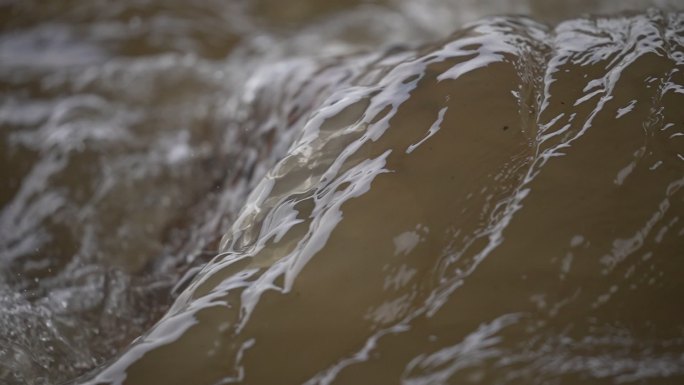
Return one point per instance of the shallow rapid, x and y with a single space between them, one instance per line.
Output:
498 206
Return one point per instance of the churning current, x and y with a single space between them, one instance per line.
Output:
385 192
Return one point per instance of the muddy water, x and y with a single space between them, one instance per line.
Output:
372 200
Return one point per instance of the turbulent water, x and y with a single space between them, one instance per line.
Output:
295 193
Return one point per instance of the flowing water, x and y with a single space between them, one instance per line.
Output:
265 192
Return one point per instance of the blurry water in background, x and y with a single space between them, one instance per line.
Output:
132 132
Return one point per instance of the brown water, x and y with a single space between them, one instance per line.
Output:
389 203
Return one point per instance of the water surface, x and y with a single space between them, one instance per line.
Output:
376 200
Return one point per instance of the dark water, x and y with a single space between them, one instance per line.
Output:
376 201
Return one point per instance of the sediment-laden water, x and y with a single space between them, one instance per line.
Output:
248 192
